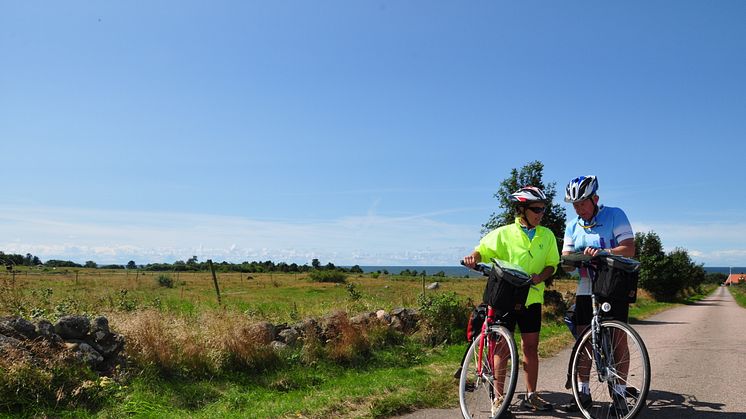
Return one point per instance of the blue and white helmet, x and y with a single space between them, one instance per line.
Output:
581 188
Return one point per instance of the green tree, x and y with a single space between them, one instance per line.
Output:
716 278
685 274
131 265
315 263
665 275
529 175
90 264
649 251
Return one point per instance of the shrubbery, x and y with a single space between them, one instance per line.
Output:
165 281
666 276
328 276
443 317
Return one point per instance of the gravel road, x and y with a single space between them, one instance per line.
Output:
698 362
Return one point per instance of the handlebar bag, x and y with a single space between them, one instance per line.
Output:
617 280
502 294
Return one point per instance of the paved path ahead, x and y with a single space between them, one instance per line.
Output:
698 362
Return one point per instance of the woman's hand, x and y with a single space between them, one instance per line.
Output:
472 260
536 279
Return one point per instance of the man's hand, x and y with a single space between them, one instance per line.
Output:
594 251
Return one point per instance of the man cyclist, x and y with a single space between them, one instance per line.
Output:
534 248
595 230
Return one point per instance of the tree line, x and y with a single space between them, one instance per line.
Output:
190 265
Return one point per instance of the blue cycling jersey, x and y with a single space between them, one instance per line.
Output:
606 230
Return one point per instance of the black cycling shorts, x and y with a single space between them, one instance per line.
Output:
527 318
584 310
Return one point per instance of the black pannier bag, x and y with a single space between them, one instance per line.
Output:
617 279
502 294
476 320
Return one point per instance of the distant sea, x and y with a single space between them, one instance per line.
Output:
460 271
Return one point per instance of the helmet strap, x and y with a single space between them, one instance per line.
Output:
524 217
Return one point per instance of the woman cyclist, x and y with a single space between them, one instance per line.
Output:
534 248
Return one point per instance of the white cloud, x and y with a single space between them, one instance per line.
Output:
116 237
714 244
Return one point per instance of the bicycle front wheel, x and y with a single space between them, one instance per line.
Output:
617 372
489 374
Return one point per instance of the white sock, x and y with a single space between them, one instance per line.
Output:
585 387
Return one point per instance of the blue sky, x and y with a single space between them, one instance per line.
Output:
360 132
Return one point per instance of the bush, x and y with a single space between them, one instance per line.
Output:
165 281
443 316
354 294
328 276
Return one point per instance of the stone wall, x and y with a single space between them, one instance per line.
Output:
89 341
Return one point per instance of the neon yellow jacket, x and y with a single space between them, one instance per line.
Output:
510 243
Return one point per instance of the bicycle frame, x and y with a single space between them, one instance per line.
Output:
484 339
603 358
488 321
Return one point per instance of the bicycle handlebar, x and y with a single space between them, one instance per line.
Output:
482 268
579 260
518 279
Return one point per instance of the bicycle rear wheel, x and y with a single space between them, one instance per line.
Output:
487 382
622 360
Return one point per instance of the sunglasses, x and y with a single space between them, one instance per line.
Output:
537 210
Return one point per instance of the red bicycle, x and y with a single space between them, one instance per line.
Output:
490 368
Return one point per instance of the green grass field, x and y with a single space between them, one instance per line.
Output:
392 379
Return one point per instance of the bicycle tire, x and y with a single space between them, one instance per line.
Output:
477 392
602 378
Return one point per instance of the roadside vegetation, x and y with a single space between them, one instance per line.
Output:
739 293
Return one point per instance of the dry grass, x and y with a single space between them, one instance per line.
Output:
211 343
348 344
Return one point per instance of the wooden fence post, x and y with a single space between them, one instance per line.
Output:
214 279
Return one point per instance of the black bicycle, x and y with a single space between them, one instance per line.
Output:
609 355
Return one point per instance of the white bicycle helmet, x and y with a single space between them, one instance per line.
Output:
528 194
581 188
